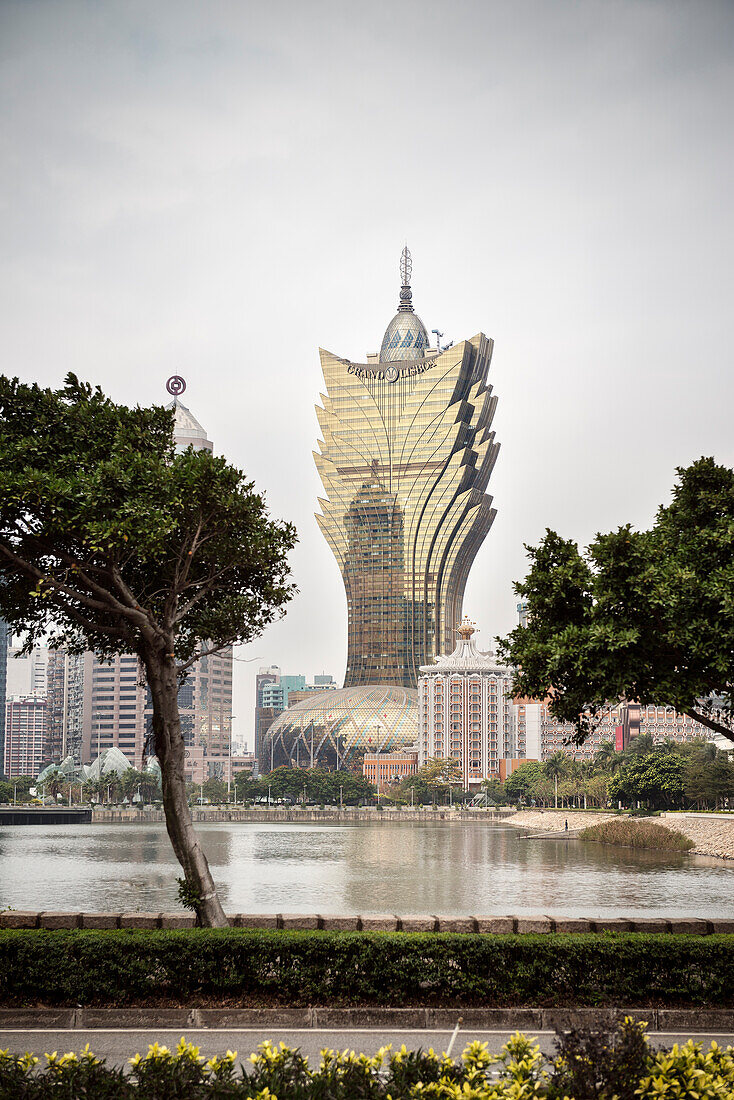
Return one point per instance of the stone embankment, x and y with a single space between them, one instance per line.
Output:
328 814
388 922
712 834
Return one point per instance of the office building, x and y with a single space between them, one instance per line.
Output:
275 692
187 431
25 735
405 458
386 769
466 710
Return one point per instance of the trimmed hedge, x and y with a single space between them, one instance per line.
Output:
239 966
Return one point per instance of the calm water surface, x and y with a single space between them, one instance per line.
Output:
469 868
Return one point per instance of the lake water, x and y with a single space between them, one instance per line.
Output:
458 869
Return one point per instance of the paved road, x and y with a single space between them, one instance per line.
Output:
117 1045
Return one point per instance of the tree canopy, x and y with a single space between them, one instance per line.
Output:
107 534
112 540
639 615
317 784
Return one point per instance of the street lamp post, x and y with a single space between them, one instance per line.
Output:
268 795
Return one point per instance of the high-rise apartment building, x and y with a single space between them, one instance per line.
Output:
65 705
25 735
114 707
466 710
4 638
26 672
405 459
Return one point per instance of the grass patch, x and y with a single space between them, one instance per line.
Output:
637 834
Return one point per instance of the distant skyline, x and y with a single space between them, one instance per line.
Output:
217 191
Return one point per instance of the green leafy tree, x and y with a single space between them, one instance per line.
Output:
110 540
318 785
495 792
144 783
708 779
54 782
597 790
215 790
657 779
556 768
542 791
17 788
518 784
247 788
285 782
640 615
414 789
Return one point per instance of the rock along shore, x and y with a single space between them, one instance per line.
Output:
712 835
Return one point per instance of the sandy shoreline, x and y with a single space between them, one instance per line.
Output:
712 836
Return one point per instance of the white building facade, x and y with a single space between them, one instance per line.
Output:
466 710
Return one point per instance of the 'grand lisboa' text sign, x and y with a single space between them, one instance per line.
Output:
391 373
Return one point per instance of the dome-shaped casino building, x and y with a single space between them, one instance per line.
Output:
334 729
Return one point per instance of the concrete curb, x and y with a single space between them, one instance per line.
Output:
389 922
527 1019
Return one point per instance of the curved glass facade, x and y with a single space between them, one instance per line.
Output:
405 458
335 729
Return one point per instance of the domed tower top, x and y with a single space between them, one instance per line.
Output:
406 336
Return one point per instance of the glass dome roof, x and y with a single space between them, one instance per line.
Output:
405 338
337 727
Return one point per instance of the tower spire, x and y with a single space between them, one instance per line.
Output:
406 294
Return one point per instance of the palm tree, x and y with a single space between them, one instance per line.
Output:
54 782
606 757
556 767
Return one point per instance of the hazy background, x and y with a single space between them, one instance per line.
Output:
216 189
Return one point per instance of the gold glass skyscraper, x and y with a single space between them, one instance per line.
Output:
405 460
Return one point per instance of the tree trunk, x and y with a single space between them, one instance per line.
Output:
169 749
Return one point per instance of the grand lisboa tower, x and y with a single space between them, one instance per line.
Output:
405 459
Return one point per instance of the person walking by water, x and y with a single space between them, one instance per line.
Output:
566 824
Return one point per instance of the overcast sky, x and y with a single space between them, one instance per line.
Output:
217 189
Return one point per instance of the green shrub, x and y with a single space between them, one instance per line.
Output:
601 1064
236 965
635 834
588 1066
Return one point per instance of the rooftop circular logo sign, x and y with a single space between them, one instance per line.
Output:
175 385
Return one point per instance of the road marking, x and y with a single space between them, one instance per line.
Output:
314 1031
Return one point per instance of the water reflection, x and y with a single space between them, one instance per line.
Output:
364 868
